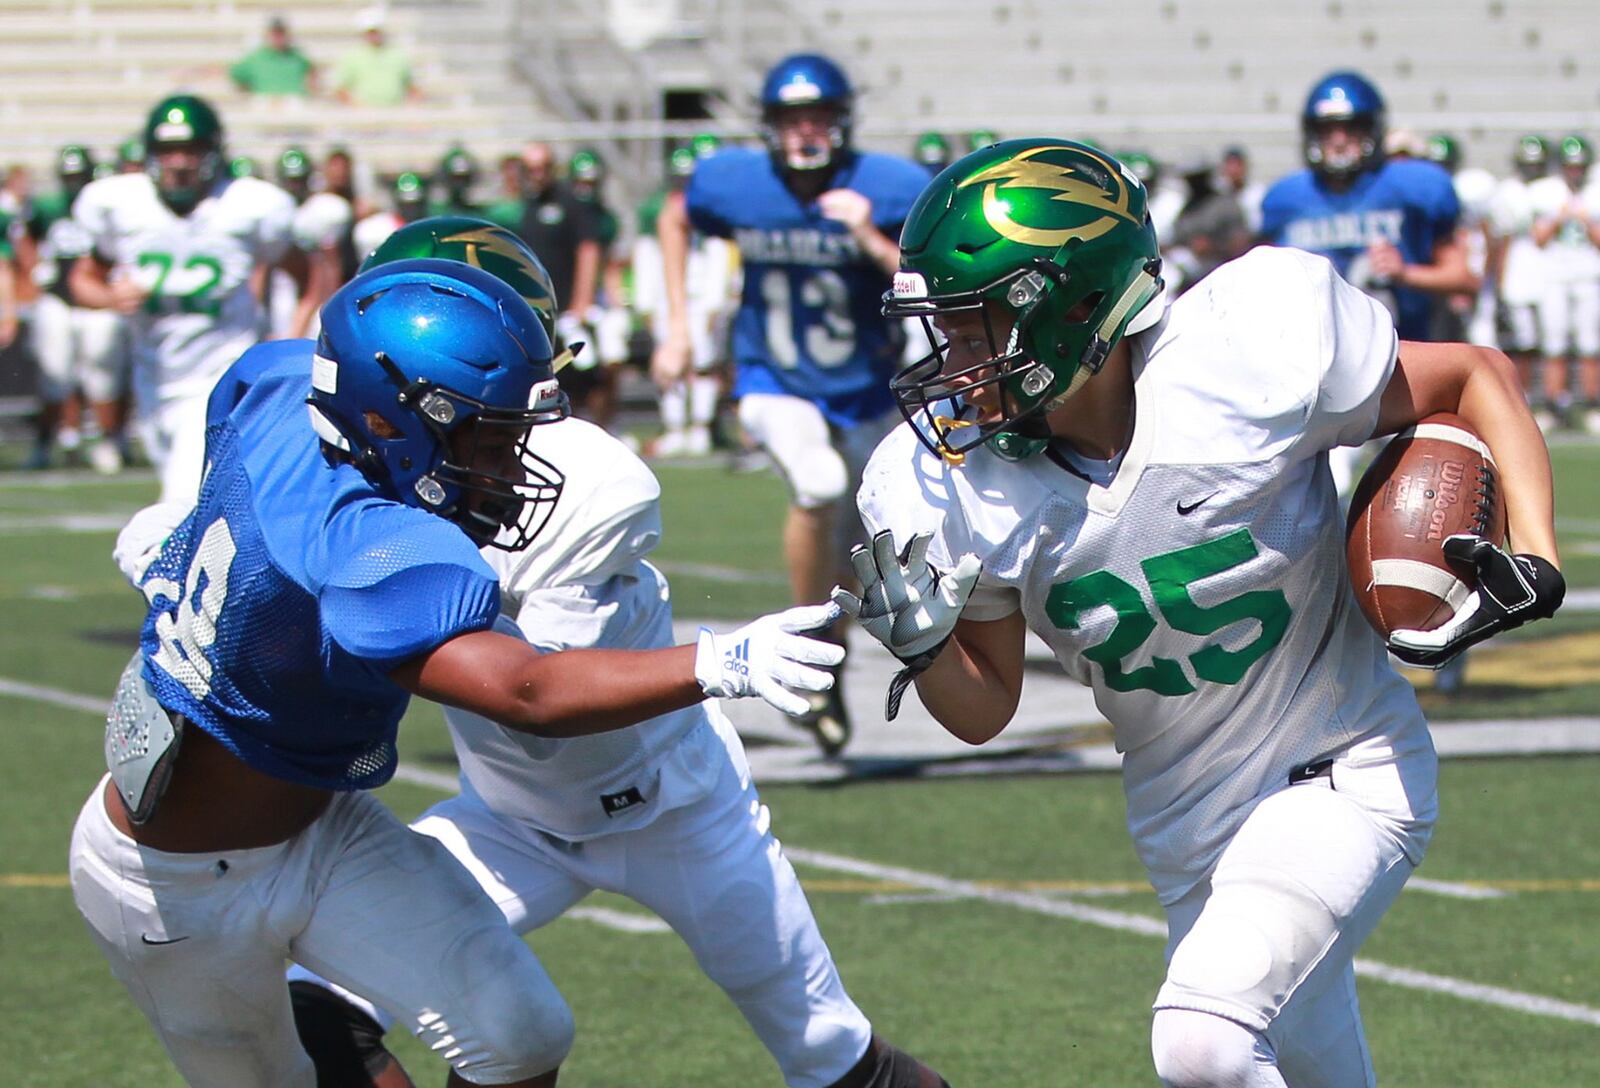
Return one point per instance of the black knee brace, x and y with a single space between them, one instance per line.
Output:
345 1044
886 1066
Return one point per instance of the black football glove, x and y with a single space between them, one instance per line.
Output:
1512 589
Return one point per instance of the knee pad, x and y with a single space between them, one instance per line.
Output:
1251 946
1198 1050
885 1065
508 1021
819 477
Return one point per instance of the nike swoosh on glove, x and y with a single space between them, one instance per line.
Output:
1512 589
906 603
769 656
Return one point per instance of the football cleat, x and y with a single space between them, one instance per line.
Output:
827 721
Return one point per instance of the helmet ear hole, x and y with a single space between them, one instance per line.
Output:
1084 308
379 426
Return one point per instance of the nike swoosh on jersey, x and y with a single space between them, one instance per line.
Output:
145 937
1184 509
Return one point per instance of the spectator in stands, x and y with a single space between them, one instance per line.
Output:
277 68
563 231
374 73
1235 170
1210 228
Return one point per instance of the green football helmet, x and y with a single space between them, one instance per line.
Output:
932 150
980 138
294 164
1058 236
130 154
586 168
458 170
184 120
705 144
243 166
1575 151
1445 150
680 164
1532 156
75 168
481 244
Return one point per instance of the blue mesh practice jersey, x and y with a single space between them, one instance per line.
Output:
809 322
1409 203
280 604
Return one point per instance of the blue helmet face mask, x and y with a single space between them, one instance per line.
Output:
428 376
1345 98
801 81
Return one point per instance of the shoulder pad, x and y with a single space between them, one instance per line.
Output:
608 517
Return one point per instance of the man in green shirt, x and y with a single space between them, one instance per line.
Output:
276 68
374 73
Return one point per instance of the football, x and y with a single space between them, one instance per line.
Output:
1432 480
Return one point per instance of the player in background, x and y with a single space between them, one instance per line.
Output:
1463 316
321 258
234 830
931 151
1516 265
1166 200
180 250
1388 226
816 224
1235 177
711 287
408 199
1148 492
1566 227
665 813
82 353
456 177
605 323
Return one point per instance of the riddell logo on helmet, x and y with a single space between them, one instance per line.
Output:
910 285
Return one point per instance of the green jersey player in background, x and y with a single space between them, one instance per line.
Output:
181 249
1148 491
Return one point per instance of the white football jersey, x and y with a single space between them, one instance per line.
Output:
322 221
201 314
585 583
1570 256
1511 215
1202 592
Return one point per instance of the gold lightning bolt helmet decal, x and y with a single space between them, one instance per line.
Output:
495 240
1023 172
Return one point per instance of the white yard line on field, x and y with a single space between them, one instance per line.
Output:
1533 1004
944 886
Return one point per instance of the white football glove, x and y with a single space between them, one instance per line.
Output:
769 656
907 604
141 539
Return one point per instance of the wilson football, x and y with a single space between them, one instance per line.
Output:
1432 480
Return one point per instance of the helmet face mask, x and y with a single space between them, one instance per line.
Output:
1054 236
428 376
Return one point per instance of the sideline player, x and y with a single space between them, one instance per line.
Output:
1517 265
179 249
711 283
816 224
1388 225
82 353
1148 492
329 572
1566 228
665 814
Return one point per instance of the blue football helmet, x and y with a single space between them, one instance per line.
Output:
807 79
428 375
1348 98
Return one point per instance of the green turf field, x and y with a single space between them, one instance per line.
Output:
953 907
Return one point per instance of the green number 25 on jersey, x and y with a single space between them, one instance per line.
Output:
1170 576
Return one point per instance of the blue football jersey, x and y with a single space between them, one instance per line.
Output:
280 604
1406 202
810 322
